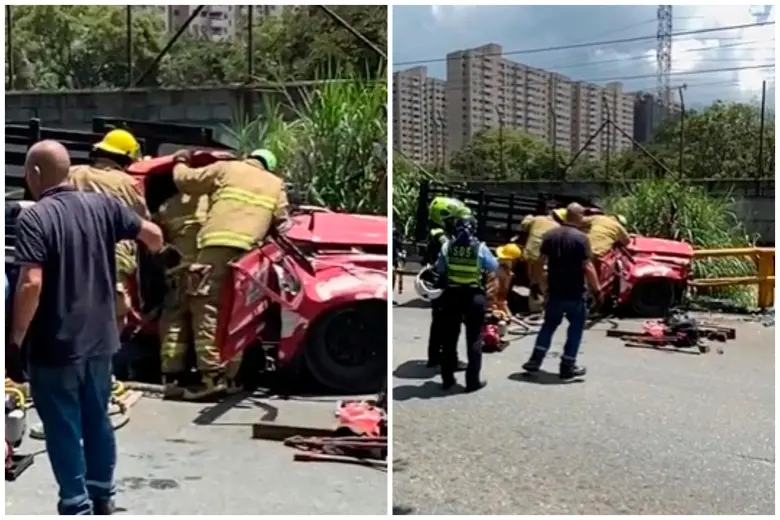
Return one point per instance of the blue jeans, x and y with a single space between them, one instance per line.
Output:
576 312
72 402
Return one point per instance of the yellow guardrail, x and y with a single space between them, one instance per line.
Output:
764 258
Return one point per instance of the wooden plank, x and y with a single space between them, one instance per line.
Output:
279 432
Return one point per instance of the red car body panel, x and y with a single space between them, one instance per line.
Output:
642 259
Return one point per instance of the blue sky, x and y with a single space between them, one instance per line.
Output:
430 32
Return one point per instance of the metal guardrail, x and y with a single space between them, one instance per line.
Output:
764 258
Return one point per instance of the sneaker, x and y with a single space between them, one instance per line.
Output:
461 366
571 371
103 507
533 365
447 382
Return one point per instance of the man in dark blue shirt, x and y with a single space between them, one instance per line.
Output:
567 253
64 311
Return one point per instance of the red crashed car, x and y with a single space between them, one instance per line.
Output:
314 296
647 277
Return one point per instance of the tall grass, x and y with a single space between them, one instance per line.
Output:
329 147
675 210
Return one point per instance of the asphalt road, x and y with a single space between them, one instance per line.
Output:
647 432
168 465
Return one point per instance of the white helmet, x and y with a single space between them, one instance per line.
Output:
424 288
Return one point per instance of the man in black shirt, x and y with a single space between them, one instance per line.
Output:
64 310
567 253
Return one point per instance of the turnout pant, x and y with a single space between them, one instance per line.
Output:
462 305
72 403
212 271
176 329
537 278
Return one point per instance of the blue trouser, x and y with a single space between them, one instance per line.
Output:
576 312
72 402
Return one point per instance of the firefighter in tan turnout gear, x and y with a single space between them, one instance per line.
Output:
110 157
244 201
181 218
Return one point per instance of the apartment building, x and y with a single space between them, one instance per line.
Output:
419 115
213 21
648 114
485 90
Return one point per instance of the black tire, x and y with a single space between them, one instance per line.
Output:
347 349
653 298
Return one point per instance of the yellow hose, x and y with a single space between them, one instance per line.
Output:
23 400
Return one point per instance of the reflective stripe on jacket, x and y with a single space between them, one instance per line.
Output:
245 200
463 265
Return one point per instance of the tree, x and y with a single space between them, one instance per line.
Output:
306 43
203 62
721 141
56 47
524 157
80 46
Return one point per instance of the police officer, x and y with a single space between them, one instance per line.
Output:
461 264
442 214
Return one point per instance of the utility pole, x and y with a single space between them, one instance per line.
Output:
761 132
250 62
9 45
501 140
554 139
129 43
680 89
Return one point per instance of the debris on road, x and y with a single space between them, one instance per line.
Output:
360 437
676 332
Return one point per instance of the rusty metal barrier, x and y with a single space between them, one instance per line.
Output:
764 258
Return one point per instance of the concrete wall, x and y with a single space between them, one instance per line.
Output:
201 106
755 201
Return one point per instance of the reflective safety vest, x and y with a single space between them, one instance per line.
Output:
463 265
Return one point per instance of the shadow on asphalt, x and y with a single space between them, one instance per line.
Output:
542 378
428 390
403 510
417 303
415 369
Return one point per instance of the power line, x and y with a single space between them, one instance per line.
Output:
449 86
686 73
588 44
644 56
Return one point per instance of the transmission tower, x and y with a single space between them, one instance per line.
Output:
664 56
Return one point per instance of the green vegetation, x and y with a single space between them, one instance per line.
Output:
76 47
675 210
328 150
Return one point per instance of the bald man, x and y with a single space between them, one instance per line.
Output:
64 312
566 252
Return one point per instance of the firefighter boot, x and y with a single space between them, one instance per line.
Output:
233 384
211 386
172 388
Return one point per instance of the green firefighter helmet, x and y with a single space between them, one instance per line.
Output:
444 209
